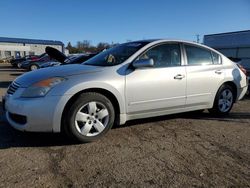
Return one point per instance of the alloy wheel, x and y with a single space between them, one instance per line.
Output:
226 100
33 67
91 119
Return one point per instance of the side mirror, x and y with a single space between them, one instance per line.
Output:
143 63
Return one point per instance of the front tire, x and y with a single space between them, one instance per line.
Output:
33 67
89 117
19 65
224 101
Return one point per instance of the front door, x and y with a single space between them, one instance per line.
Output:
158 88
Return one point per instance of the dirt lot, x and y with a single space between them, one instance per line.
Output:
184 150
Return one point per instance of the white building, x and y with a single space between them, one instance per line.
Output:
20 47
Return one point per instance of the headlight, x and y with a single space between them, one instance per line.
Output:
40 89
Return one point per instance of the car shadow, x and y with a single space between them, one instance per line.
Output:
5 84
7 67
247 97
9 137
13 70
231 117
16 74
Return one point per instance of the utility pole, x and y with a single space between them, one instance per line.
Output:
198 38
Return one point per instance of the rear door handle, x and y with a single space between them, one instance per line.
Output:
179 77
218 71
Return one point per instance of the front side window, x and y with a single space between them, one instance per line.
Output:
165 55
198 56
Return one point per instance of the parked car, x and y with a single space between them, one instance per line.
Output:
130 81
49 64
18 61
246 64
64 60
78 59
75 59
35 64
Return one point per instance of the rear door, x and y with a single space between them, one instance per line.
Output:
204 74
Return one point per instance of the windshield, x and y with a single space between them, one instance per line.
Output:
78 58
71 58
115 55
40 56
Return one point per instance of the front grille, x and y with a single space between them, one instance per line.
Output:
12 88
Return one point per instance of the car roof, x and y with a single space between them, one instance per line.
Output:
156 41
170 40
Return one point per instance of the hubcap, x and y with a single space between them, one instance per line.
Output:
33 67
91 119
225 100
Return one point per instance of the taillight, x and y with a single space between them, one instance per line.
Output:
242 69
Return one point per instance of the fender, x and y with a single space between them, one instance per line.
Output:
79 88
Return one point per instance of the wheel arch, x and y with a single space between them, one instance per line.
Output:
234 87
231 84
102 91
214 108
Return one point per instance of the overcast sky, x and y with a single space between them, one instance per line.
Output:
121 20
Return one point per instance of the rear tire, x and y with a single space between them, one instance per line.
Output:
89 118
224 100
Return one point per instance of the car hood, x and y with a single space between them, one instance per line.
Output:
55 54
49 64
30 78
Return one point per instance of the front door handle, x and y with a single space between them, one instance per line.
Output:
179 77
218 71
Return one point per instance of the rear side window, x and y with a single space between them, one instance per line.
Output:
198 56
216 58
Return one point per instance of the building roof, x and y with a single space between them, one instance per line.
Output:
30 41
228 40
233 32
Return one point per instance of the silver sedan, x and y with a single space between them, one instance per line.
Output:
129 81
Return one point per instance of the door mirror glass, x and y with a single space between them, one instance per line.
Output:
143 63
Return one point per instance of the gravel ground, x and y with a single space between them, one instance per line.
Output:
183 150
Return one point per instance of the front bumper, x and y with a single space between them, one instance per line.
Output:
34 114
